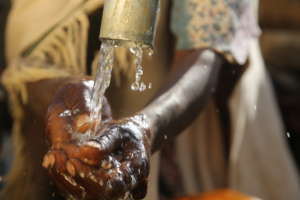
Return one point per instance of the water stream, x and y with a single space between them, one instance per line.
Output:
103 76
102 81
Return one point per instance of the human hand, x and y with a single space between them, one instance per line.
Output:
106 165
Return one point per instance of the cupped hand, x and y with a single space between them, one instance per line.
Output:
108 163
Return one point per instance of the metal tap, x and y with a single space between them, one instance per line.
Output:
129 21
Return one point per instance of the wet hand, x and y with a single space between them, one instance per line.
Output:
106 165
127 144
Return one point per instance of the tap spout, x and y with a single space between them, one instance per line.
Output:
130 21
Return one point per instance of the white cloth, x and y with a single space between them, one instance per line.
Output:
260 163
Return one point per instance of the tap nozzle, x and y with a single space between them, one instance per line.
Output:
130 21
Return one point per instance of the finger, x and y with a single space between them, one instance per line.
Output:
66 182
86 154
136 165
140 191
135 171
76 96
136 154
99 183
56 163
80 179
63 173
93 151
69 113
69 102
57 128
106 141
55 159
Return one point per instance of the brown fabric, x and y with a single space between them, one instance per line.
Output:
280 14
220 195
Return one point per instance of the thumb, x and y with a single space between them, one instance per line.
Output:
107 141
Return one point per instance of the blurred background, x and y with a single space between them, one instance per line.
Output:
280 43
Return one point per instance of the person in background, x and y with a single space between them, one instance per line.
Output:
217 97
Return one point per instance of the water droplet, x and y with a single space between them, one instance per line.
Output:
150 52
133 180
138 85
142 87
133 50
139 71
109 186
75 111
66 113
135 86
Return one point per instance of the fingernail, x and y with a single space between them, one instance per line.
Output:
49 161
81 174
83 123
45 163
70 168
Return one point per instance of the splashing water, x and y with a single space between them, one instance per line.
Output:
102 80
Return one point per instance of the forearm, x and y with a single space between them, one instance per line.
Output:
184 98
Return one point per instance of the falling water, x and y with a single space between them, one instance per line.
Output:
103 75
102 80
138 84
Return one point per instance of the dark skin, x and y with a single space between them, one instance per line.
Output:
95 168
134 138
76 165
126 143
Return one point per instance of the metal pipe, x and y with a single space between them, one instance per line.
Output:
130 21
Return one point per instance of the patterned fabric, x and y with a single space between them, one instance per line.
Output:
214 24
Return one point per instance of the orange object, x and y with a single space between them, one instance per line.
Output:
220 195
